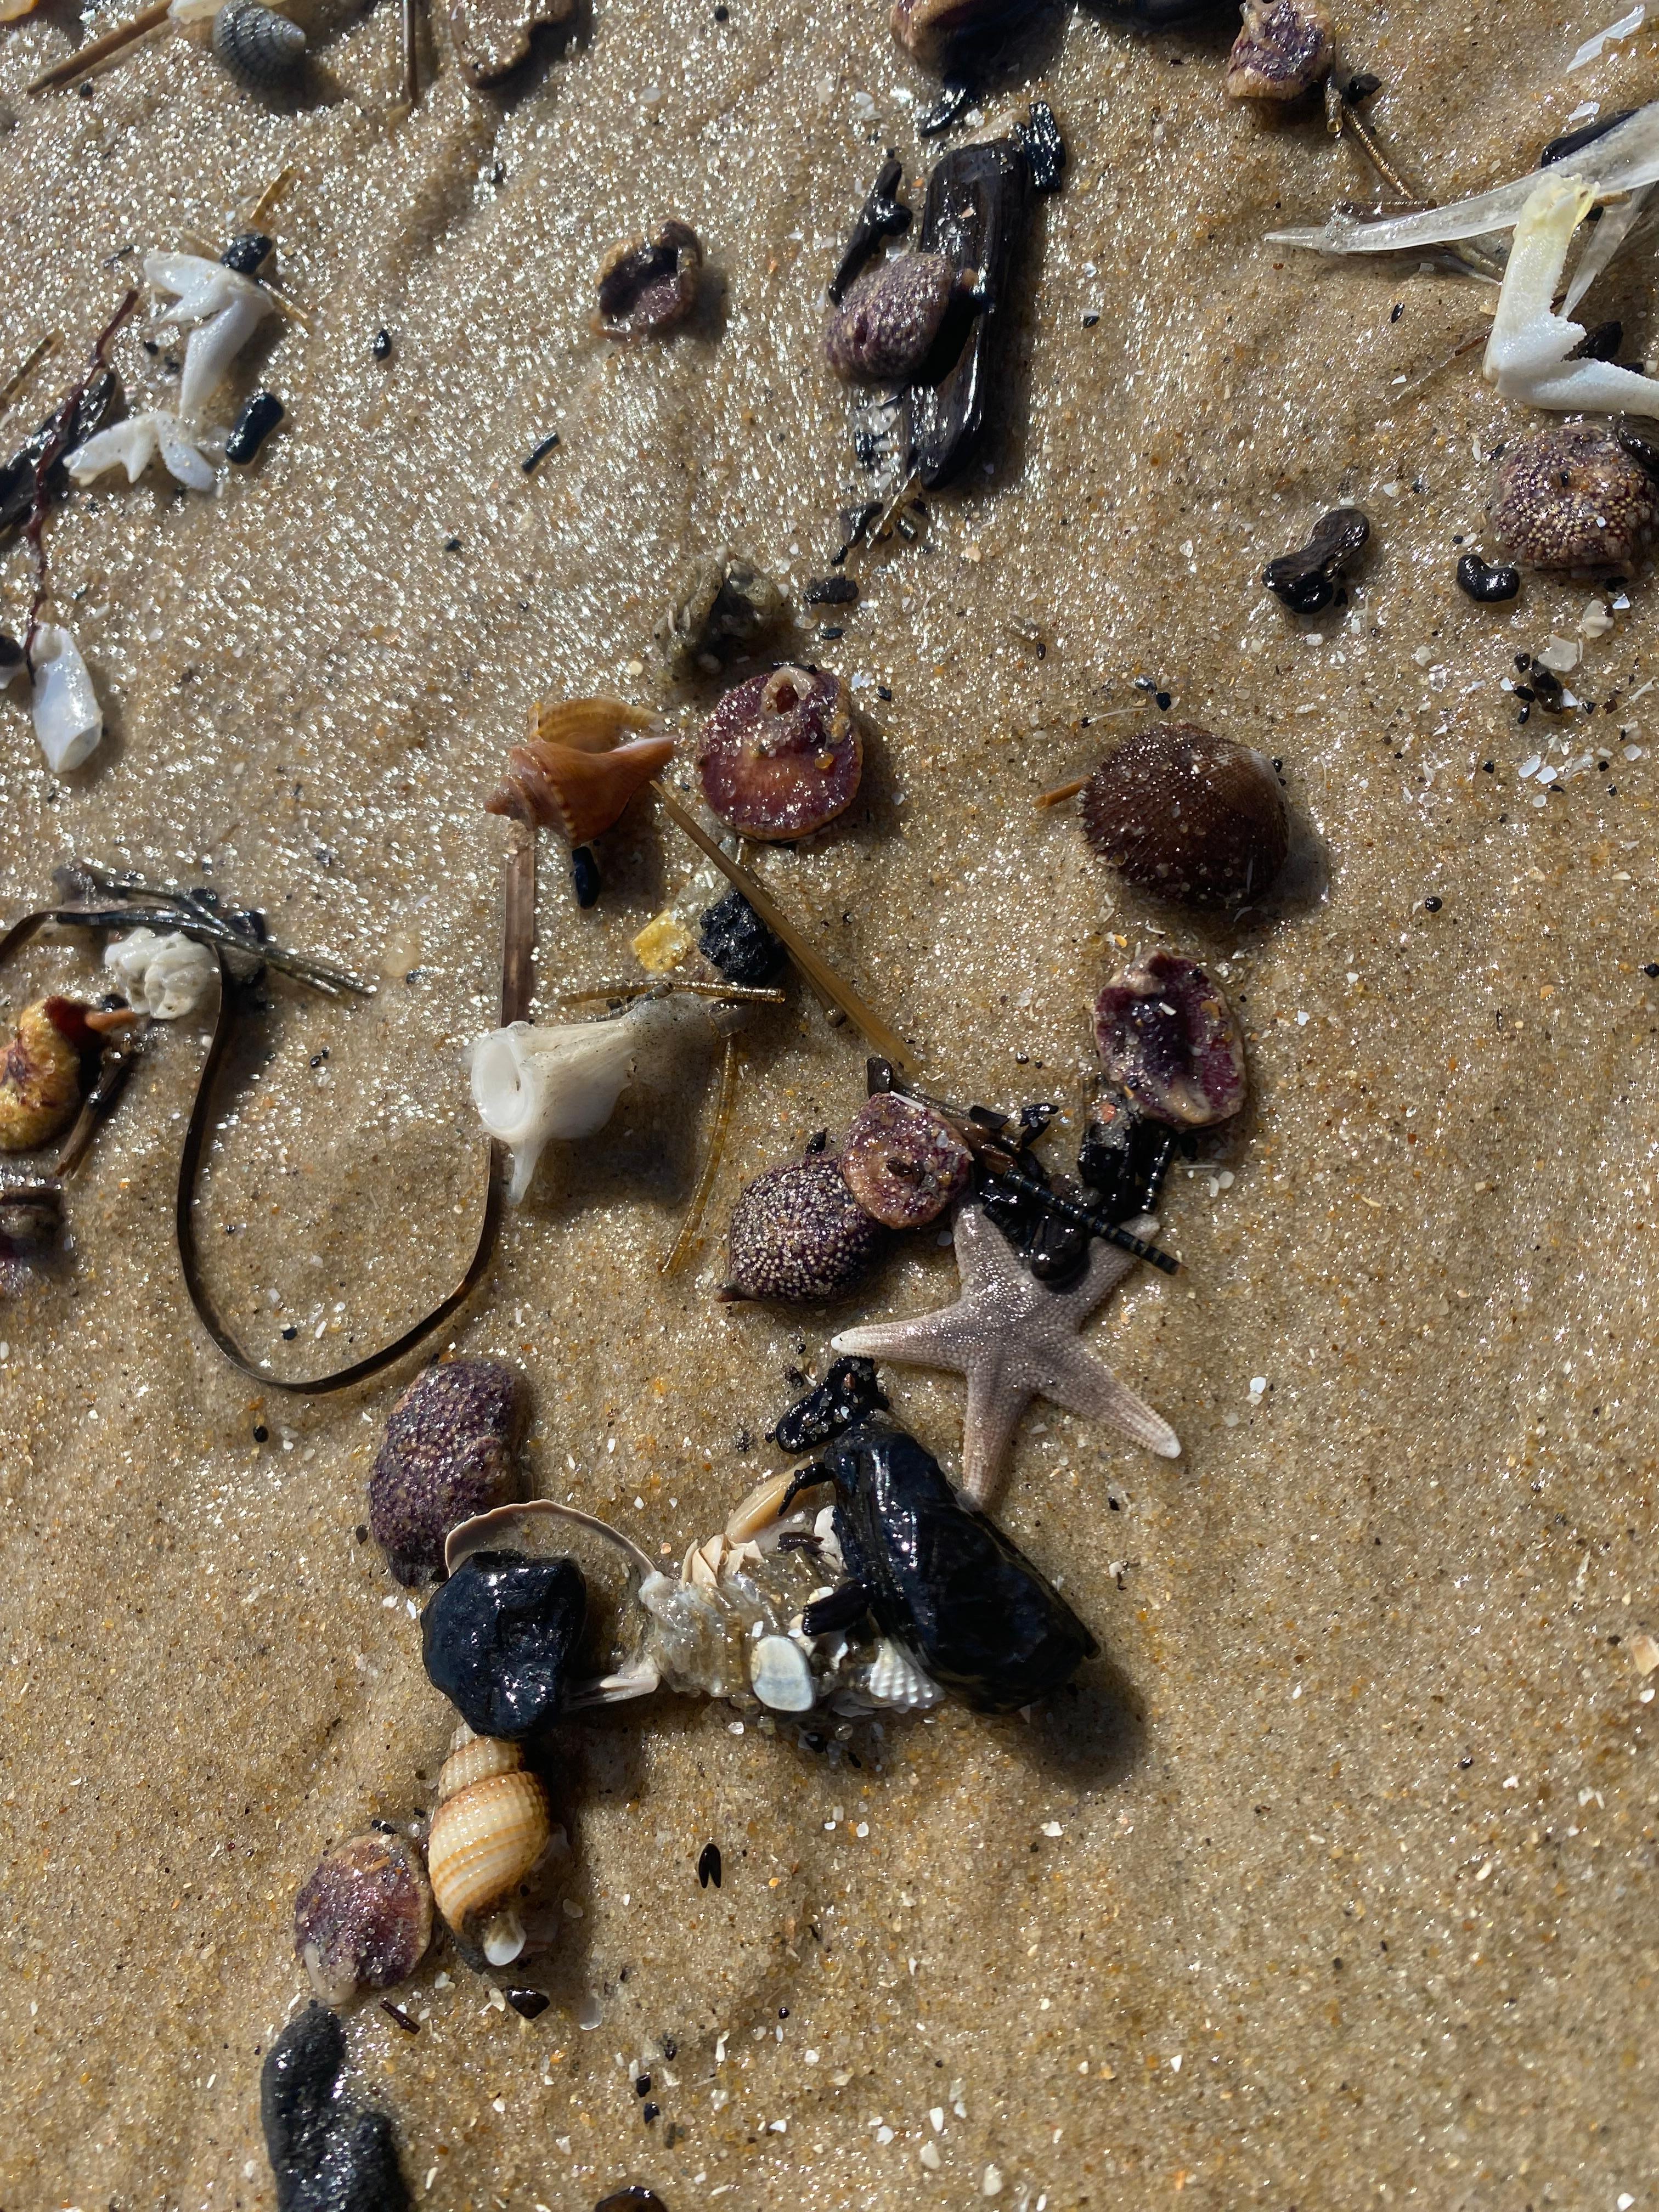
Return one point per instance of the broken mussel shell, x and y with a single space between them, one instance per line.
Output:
498 1637
494 37
781 754
883 214
43 1072
573 776
1188 815
327 2154
1170 1041
797 1235
723 604
976 215
648 286
903 1162
450 1452
363 1919
1576 499
491 1827
1307 580
889 321
1284 49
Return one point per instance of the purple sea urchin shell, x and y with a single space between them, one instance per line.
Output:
903 1161
1170 1041
798 1234
449 1453
364 1918
884 328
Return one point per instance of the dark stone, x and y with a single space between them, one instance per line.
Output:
326 2154
253 426
585 875
709 1866
246 254
735 940
497 1640
1486 584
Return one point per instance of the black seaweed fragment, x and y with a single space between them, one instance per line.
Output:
18 476
847 1393
883 214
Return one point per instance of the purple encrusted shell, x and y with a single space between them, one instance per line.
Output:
903 1162
450 1452
885 327
364 1918
798 1234
1170 1041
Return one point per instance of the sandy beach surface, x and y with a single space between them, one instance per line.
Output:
1331 1884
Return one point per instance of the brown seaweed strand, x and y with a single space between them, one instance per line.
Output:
691 1234
101 50
15 383
518 930
62 430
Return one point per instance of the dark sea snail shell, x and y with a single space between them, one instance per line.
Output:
1170 1041
797 1235
780 755
1576 499
1188 815
903 1162
647 286
256 44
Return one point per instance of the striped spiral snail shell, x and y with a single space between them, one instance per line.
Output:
491 1826
256 44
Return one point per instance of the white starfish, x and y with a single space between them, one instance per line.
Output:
1015 1339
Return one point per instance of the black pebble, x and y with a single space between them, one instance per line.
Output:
1651 968
382 345
585 875
289 1334
1431 906
326 2155
248 253
830 591
497 1640
1486 586
735 940
650 2112
709 1866
1038 138
847 1393
632 2199
642 2085
944 112
261 1434
253 426
529 2004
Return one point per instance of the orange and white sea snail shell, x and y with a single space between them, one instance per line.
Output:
491 1826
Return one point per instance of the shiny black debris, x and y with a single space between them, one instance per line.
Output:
1039 139
585 875
246 254
497 1640
529 2004
539 452
382 345
18 476
847 1393
883 214
1308 579
735 940
830 591
1487 585
326 2154
709 1866
258 419
1573 141
951 103
1124 1156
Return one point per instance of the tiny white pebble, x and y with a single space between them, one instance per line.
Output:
930 2157
883 2135
734 1727
499 2104
992 2185
936 2116
862 1829
1051 1828
1175 2064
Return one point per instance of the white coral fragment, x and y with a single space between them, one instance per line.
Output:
132 445
165 977
68 719
531 1084
1527 355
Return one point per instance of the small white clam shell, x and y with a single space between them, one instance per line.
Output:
68 719
895 1677
780 1676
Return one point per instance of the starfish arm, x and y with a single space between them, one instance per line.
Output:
912 1343
995 1402
1087 1386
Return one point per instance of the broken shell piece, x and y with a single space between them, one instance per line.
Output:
572 777
1170 1041
1574 498
132 445
363 1920
932 29
165 977
1285 48
759 1510
68 719
782 756
531 1084
492 37
885 327
40 1072
903 1162
647 286
1530 354
720 607
224 307
489 1831
780 1676
894 1677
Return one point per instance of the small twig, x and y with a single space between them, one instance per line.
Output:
1061 793
690 1232
1343 116
518 930
260 212
14 382
743 994
120 1057
101 50
62 430
411 62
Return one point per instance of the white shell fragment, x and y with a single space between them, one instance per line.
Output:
1527 355
1593 48
165 977
132 445
894 1677
68 719
780 1676
532 1084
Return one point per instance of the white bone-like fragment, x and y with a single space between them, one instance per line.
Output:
225 308
132 445
68 719
1526 355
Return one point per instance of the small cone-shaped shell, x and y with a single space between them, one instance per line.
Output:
41 1073
578 792
484 1841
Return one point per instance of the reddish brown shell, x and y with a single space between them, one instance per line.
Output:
781 754
1170 1040
40 1072
1189 815
1575 498
932 28
883 329
364 1918
647 285
1284 49
903 1162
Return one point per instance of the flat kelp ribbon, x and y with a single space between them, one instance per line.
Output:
243 956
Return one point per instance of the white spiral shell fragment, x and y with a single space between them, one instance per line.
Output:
68 719
165 977
894 1677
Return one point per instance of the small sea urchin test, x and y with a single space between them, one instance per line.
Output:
1188 815
798 1234
780 755
1574 498
885 327
449 1453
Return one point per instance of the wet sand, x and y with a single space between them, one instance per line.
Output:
1331 1884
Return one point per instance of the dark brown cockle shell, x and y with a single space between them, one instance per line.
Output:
1284 49
647 286
799 1235
1188 815
1576 498
450 1452
886 326
781 754
364 1918
1306 580
903 1162
1170 1041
